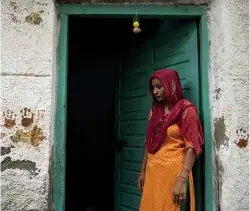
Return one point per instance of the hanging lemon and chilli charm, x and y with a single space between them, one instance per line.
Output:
136 24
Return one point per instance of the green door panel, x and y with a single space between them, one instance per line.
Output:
180 52
177 50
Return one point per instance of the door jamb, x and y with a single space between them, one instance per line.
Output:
59 162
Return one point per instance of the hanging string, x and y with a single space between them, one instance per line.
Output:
136 23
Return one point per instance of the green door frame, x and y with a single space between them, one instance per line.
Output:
160 11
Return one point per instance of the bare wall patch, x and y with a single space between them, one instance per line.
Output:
220 132
219 182
28 165
5 150
34 18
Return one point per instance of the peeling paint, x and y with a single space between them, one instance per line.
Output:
34 18
28 165
220 132
5 150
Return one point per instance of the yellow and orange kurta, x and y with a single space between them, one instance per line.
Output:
162 172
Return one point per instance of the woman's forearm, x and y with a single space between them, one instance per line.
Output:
144 161
188 163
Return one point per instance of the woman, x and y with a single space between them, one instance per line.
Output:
174 139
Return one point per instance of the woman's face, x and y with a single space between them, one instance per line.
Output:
158 90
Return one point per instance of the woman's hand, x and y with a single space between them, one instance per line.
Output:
179 192
141 181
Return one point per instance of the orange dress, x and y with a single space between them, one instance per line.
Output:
162 172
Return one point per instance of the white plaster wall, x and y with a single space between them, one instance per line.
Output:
28 75
229 95
28 61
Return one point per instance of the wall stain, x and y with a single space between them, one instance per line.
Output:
220 132
28 165
242 140
43 4
217 93
40 114
2 135
34 18
50 195
20 136
9 119
5 150
27 117
219 182
14 5
14 19
13 16
34 136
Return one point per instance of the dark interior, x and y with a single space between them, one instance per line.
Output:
95 47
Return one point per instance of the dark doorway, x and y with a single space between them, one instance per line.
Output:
95 49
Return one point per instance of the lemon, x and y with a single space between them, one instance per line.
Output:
136 24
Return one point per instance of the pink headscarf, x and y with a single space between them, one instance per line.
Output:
181 112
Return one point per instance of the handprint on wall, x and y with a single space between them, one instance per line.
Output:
242 140
27 117
27 128
9 119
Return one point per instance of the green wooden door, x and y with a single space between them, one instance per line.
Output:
178 50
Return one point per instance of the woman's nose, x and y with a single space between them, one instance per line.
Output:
155 91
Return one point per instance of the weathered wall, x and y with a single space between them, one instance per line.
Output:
229 95
27 64
29 37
